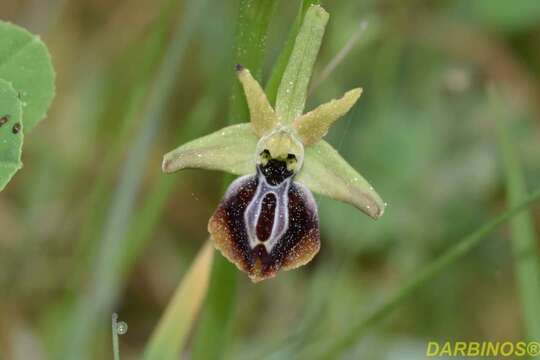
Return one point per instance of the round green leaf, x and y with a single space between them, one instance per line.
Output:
11 133
26 63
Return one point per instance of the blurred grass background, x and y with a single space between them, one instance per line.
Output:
91 225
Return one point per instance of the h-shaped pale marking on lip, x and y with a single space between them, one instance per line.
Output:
281 212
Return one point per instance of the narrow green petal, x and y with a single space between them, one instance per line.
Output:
230 149
262 116
327 173
311 127
292 91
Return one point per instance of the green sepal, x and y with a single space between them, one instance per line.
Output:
325 172
293 89
231 149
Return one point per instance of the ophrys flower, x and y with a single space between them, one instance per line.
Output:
268 218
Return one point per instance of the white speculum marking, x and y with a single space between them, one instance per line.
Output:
281 213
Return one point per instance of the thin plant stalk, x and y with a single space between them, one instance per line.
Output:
422 277
105 282
523 239
340 56
116 347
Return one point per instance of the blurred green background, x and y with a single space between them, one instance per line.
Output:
90 225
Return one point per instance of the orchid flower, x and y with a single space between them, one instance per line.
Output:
267 219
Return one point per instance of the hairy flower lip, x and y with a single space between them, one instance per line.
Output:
229 228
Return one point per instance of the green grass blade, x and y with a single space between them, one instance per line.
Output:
148 217
173 328
281 63
523 241
128 109
293 88
252 27
104 284
456 252
219 309
339 57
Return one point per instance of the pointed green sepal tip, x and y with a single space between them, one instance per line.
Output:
327 173
314 125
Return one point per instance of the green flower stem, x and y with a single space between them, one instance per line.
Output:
215 326
425 275
214 329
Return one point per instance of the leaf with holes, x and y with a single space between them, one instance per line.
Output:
26 64
11 134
